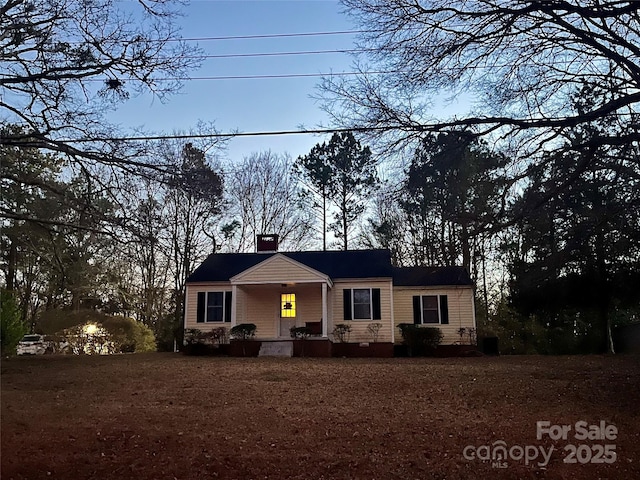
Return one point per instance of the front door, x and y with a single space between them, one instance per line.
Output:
288 313
286 324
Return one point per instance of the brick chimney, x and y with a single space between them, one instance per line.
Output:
267 243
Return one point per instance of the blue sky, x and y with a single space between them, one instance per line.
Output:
257 104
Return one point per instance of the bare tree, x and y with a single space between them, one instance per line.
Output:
522 61
263 196
192 204
66 63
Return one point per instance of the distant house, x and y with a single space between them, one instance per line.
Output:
321 289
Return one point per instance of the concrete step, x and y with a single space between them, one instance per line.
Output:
276 349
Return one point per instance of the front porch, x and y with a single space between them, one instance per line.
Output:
276 309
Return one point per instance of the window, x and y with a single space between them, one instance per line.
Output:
288 305
213 307
362 304
430 309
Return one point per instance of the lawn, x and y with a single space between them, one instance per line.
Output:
166 416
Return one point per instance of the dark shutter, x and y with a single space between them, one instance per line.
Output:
346 299
375 297
227 306
444 309
201 306
417 310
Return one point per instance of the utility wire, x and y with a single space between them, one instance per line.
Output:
275 54
269 35
224 135
255 77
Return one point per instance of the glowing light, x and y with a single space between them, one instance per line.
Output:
90 329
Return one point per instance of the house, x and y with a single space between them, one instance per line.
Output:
321 289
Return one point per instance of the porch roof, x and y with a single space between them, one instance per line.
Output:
219 267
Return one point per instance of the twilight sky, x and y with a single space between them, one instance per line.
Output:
250 105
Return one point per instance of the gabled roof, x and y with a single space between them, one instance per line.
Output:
430 276
273 268
220 267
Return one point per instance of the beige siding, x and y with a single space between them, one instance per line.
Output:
191 307
359 331
460 301
278 270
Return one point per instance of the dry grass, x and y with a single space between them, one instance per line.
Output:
157 416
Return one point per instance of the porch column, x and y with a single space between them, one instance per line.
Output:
234 302
324 310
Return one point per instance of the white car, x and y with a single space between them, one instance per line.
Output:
31 345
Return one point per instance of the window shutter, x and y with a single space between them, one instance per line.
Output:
346 297
417 310
227 306
444 309
200 311
375 298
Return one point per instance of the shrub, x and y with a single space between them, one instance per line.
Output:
244 331
11 328
341 332
197 342
374 330
216 336
129 336
420 340
300 333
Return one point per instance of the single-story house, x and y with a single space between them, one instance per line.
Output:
321 289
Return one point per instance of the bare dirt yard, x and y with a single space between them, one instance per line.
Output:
166 416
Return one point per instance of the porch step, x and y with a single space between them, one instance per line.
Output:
276 349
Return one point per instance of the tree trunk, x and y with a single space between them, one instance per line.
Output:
324 219
12 265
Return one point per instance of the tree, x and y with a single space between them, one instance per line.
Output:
314 170
354 177
343 171
452 193
520 61
579 249
66 64
263 197
193 202
11 327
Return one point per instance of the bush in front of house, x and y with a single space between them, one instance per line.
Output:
300 333
244 331
197 342
420 340
373 329
341 332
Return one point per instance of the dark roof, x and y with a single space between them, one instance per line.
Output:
335 264
419 276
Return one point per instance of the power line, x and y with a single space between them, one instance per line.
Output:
268 35
255 77
241 37
224 135
275 54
